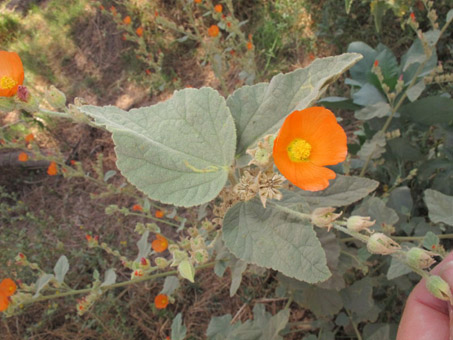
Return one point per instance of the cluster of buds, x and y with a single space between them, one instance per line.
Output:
140 228
324 217
198 250
92 241
86 302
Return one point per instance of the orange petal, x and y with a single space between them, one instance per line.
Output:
7 287
304 175
4 302
11 66
329 144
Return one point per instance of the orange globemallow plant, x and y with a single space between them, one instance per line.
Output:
11 73
7 289
309 140
161 301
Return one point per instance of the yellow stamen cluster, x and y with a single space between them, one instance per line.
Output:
7 83
299 150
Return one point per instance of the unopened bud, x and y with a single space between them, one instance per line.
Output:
358 223
420 258
55 97
23 94
161 262
200 256
323 217
439 288
379 243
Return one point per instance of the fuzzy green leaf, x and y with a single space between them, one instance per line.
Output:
440 206
273 239
178 330
178 151
186 270
61 268
261 108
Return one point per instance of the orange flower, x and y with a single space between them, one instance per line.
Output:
127 20
218 8
159 214
161 301
160 244
307 141
139 31
213 31
52 170
11 73
23 157
29 137
137 207
7 289
249 45
198 1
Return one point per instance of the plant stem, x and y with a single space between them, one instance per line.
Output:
115 285
359 336
403 238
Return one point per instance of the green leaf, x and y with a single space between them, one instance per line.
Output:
322 302
178 330
271 325
261 108
273 239
109 174
42 282
450 15
343 191
220 328
187 271
431 241
358 297
429 110
109 277
397 268
360 71
61 268
178 151
379 110
440 206
144 247
237 268
334 103
412 59
347 5
171 283
415 91
374 147
378 211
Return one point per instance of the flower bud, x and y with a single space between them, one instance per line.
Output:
419 258
55 97
439 288
379 243
144 263
323 217
358 223
200 256
23 94
161 262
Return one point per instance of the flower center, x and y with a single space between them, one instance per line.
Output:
299 150
7 83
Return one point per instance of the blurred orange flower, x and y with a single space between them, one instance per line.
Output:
249 45
29 137
309 140
161 301
139 31
23 157
113 10
198 1
218 8
159 214
213 31
137 207
160 244
7 289
52 170
11 73
127 20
